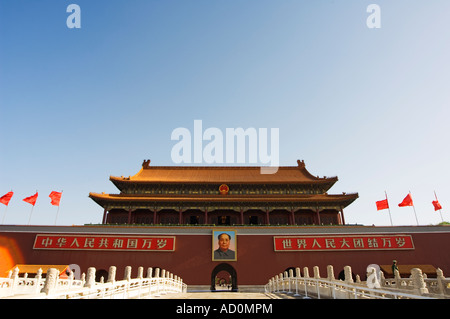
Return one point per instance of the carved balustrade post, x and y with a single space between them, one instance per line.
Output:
90 277
398 279
418 281
276 283
440 281
51 281
140 274
15 278
330 273
305 272
286 281
112 274
331 278
280 276
38 280
127 275
348 274
316 272
291 278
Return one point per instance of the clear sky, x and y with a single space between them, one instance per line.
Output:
370 106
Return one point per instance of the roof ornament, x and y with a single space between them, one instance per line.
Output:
146 164
301 163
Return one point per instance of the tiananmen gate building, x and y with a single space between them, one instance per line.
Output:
223 196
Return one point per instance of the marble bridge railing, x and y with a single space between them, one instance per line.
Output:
417 286
156 283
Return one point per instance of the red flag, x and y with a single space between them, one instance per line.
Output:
407 201
6 198
56 197
382 204
32 199
436 205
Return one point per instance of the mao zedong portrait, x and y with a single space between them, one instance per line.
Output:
224 251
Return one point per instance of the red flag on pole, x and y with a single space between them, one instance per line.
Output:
6 198
436 205
407 201
382 204
32 199
55 197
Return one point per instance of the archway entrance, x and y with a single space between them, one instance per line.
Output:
224 277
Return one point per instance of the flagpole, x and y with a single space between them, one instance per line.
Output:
56 215
31 213
29 218
389 210
439 209
414 210
57 211
6 208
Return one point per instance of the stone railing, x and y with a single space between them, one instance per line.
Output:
439 285
317 287
157 283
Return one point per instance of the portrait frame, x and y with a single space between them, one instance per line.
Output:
219 255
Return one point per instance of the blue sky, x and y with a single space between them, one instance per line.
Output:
368 105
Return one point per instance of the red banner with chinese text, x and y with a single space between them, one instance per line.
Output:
340 243
106 242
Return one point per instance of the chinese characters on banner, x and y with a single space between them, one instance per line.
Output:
107 242
339 243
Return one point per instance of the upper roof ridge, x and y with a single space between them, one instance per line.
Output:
223 174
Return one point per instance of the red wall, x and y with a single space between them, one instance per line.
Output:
256 259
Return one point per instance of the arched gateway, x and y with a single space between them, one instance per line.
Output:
224 267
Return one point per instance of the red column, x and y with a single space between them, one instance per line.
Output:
129 216
105 214
318 216
342 216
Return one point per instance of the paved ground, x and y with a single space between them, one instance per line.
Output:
222 295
